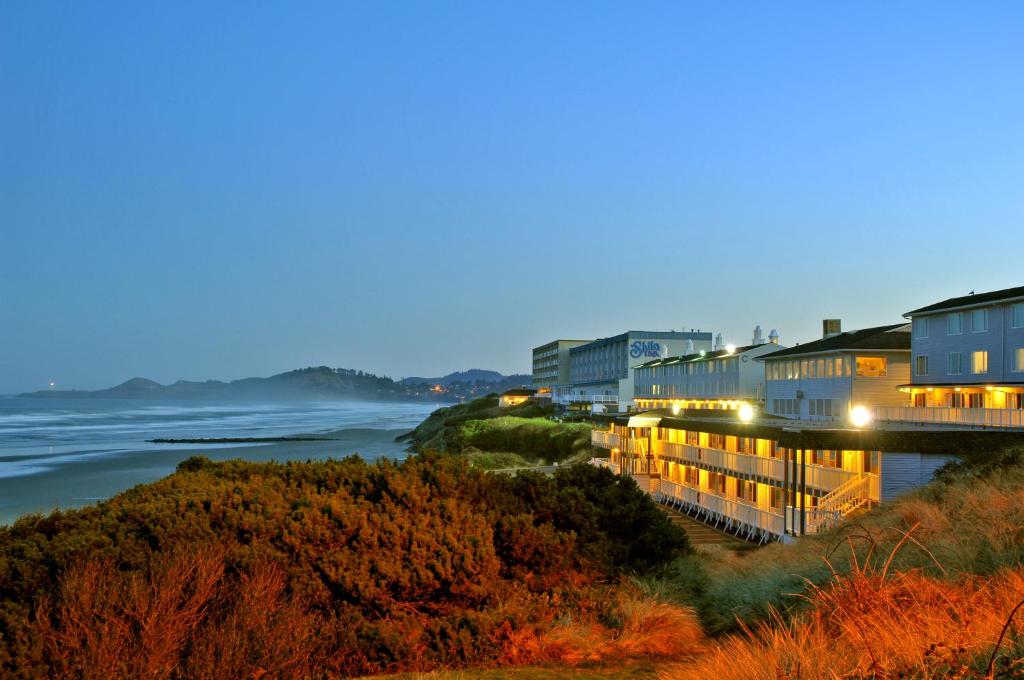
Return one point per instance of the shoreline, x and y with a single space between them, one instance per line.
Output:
92 478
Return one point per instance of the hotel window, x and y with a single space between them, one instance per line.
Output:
847 363
979 320
955 399
828 368
921 328
871 367
955 363
976 400
979 362
1018 360
1017 315
955 324
921 365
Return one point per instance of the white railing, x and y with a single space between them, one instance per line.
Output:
728 513
842 501
976 417
604 462
604 439
818 476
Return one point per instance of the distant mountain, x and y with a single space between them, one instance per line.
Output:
471 376
319 382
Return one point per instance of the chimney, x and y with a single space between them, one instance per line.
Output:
773 337
831 327
758 337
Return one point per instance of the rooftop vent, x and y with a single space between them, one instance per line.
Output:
831 327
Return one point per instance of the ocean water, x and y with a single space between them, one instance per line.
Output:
64 453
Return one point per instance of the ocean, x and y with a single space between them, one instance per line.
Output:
65 453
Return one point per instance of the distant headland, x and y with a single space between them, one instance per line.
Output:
320 382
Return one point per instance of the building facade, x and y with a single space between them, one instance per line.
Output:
968 360
551 363
762 481
826 379
724 378
600 372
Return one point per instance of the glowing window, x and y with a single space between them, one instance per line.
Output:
979 362
871 367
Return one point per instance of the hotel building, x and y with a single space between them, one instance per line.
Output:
825 379
600 372
764 479
721 379
968 362
551 365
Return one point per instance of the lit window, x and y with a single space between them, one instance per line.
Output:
921 328
1018 360
1017 315
921 365
955 324
979 362
955 363
871 367
979 320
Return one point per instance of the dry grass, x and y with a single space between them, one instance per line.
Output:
649 629
871 624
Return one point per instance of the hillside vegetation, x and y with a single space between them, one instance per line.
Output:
494 436
925 586
335 568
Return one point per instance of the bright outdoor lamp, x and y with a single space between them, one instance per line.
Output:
746 413
860 416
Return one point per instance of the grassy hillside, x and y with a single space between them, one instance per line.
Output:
334 568
502 437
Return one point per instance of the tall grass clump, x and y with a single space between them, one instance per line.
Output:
878 622
970 520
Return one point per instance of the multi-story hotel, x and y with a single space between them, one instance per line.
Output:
835 431
826 379
763 479
600 372
723 378
551 364
968 361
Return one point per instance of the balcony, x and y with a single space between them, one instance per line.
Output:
604 439
757 467
969 417
730 513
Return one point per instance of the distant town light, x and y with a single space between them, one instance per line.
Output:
860 416
746 413
730 349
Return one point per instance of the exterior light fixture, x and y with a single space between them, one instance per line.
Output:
988 388
702 352
730 349
860 416
675 409
958 389
746 413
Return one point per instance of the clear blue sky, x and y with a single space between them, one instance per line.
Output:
217 190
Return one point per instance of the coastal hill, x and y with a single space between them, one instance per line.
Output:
321 382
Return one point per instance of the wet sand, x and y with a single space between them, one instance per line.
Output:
94 478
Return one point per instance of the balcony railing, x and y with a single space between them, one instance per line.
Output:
604 439
976 417
604 462
818 476
725 512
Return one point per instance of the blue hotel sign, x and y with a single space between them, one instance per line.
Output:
644 349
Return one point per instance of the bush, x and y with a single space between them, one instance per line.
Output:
376 567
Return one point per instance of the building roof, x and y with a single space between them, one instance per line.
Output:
972 300
894 337
643 335
697 356
519 392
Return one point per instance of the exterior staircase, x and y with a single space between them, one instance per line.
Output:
840 502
